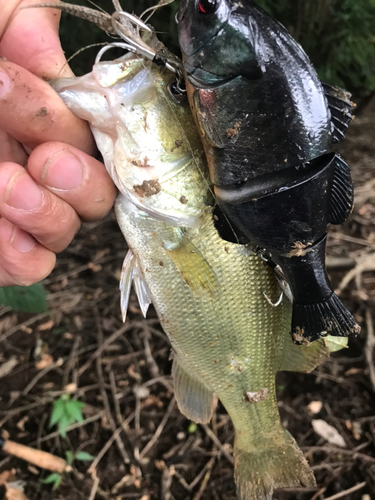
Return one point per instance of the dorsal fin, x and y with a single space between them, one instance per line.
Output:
341 108
342 194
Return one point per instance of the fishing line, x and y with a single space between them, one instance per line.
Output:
81 50
97 6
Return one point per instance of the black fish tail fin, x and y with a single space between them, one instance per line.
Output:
317 311
329 317
341 108
259 472
342 193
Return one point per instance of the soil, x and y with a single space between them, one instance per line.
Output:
145 449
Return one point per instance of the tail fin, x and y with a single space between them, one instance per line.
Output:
317 311
259 473
329 317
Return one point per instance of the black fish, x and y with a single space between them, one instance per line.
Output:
268 125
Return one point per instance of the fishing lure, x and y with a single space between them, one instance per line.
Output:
268 125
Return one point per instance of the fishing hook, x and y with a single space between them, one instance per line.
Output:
274 304
141 48
120 45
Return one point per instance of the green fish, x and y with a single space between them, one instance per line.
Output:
217 301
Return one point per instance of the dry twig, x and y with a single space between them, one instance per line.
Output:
347 492
159 430
99 370
370 347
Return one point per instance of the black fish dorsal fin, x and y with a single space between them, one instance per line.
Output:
341 108
342 194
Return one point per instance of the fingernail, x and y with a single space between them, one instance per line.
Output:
63 171
23 193
5 83
22 241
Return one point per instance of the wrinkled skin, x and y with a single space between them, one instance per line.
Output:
41 207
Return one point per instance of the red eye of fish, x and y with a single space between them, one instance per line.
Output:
207 6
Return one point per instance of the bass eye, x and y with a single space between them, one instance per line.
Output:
207 6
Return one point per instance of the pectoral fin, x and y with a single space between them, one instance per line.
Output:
194 398
126 282
194 268
132 272
341 108
342 193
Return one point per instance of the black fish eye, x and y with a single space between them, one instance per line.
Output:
207 6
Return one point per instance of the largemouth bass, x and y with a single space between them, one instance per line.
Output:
268 125
213 298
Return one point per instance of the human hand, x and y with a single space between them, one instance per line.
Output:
40 208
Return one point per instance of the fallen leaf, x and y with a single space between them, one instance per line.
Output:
33 470
141 392
132 373
46 361
329 433
314 407
94 267
70 388
15 494
22 422
5 434
353 371
46 326
355 427
7 476
26 329
8 366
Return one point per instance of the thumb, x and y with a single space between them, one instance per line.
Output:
30 39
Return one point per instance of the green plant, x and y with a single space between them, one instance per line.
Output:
31 299
66 411
338 36
55 478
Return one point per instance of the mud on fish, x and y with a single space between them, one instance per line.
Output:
214 298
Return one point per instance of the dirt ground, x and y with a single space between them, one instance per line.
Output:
144 448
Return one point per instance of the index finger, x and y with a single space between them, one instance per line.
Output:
33 113
29 37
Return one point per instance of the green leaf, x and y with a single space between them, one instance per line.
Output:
65 412
335 343
30 299
57 483
192 428
64 423
83 456
52 478
69 457
73 408
58 412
